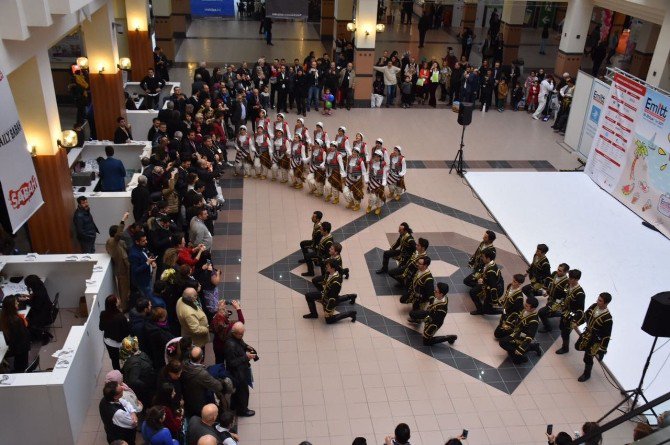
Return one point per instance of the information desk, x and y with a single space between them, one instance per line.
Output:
141 120
107 208
50 407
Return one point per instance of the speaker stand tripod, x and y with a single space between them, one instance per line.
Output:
458 160
637 392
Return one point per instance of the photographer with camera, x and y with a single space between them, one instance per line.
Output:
238 356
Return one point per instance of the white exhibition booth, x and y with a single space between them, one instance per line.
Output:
590 230
141 120
109 207
51 407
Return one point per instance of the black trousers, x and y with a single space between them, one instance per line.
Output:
422 37
508 345
470 280
281 100
396 274
114 357
347 97
273 92
312 258
306 247
300 103
588 363
545 314
388 254
239 401
313 297
485 306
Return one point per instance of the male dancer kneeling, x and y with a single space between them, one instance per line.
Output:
433 317
330 297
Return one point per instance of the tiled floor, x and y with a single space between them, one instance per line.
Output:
328 384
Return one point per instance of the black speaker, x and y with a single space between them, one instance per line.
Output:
657 321
465 113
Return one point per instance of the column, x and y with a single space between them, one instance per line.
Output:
645 41
139 40
575 30
364 49
33 90
513 14
180 17
104 77
469 14
164 30
327 20
659 68
344 13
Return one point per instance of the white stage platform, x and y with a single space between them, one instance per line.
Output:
591 231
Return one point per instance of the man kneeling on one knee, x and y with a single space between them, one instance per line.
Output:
524 327
330 297
433 317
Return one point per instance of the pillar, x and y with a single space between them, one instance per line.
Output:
163 23
105 77
469 14
139 40
659 68
645 41
513 15
327 20
573 39
364 49
51 226
180 17
344 13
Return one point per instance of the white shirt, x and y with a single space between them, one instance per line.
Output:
545 87
123 417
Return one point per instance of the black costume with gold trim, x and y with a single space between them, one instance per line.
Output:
557 289
485 295
596 336
525 326
330 297
421 290
476 264
512 305
539 271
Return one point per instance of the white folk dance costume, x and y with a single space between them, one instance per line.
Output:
396 176
280 157
317 169
379 145
245 149
342 141
357 176
377 172
264 122
335 174
263 161
281 124
298 159
362 148
303 132
321 134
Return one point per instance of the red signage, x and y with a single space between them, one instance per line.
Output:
21 197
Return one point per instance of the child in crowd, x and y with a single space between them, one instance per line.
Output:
406 92
377 92
324 99
265 98
502 95
532 100
517 98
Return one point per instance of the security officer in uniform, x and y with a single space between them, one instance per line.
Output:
524 328
485 293
555 289
433 317
539 269
401 250
475 262
330 297
596 336
310 244
404 273
572 309
321 252
512 305
422 289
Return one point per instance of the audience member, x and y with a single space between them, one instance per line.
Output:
15 329
128 394
112 172
192 318
154 431
115 327
84 226
118 416
138 371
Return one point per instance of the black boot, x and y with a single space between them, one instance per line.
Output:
345 273
535 346
381 271
564 349
341 316
352 300
440 339
310 315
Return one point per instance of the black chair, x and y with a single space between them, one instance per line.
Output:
55 313
34 365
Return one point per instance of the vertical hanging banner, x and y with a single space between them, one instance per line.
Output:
287 9
630 157
18 180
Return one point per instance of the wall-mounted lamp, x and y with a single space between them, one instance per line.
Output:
380 27
33 151
351 26
367 30
137 26
101 69
68 139
124 64
82 62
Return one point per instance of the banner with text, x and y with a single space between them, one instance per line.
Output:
287 9
594 110
631 150
18 180
213 8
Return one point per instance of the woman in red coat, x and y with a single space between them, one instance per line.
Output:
221 326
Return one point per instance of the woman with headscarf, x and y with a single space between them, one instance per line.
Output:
15 330
316 178
41 308
138 370
357 176
396 174
335 174
128 394
298 158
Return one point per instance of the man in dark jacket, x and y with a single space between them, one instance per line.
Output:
84 225
424 26
118 426
237 357
140 198
196 381
239 113
152 86
203 72
300 91
112 172
139 374
138 317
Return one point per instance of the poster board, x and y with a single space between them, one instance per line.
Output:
594 110
287 9
213 8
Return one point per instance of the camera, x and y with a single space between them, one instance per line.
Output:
253 351
228 302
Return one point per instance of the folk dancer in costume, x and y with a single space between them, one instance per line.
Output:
572 309
244 145
524 328
362 147
512 305
335 174
303 131
539 269
335 252
475 262
342 142
264 121
330 297
320 133
354 184
422 289
596 336
322 251
555 289
377 175
298 157
405 272
401 250
379 145
311 244
263 145
489 285
281 148
433 317
316 179
280 124
397 169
